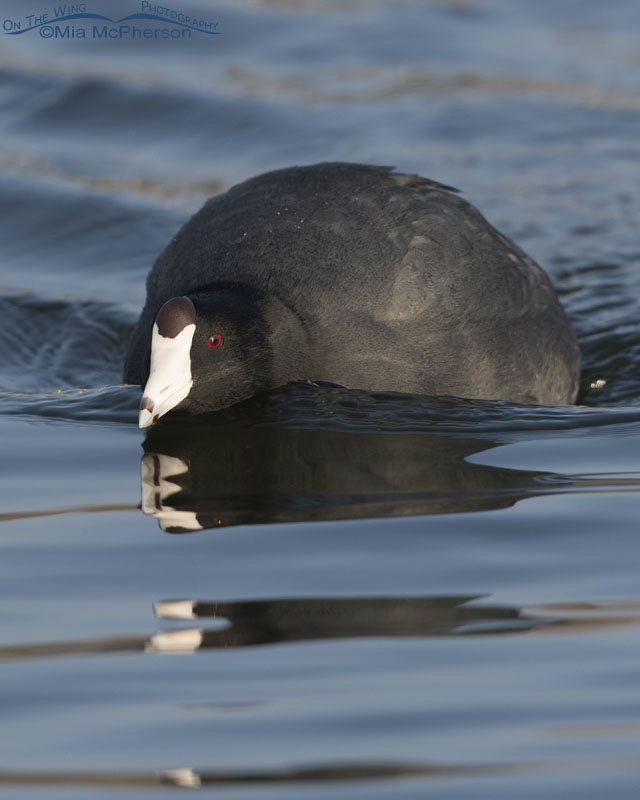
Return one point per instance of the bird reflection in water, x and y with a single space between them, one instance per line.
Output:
214 624
244 466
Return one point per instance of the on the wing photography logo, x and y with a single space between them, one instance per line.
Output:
75 21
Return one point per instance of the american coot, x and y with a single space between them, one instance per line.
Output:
354 275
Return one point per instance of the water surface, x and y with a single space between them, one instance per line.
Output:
320 593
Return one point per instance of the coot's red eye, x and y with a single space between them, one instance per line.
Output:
214 341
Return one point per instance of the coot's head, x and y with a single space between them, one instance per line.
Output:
208 351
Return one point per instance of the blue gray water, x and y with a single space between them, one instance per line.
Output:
322 594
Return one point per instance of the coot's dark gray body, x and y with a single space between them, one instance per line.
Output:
389 281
